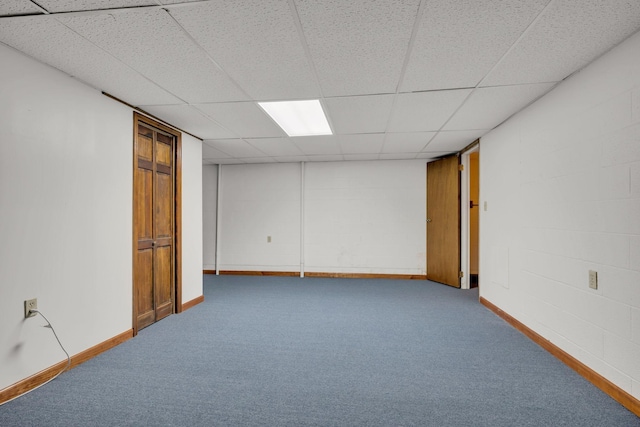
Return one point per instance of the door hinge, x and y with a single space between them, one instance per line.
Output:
460 274
460 168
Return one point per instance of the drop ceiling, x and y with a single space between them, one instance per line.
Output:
398 79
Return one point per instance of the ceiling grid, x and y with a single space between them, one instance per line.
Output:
398 79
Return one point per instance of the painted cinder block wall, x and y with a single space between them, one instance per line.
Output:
66 156
561 180
209 215
363 217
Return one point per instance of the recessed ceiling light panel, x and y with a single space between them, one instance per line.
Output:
298 118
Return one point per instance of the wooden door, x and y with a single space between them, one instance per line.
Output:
154 205
443 221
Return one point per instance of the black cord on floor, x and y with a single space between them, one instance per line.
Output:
59 373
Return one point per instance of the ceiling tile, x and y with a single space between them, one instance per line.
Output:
17 7
397 156
229 161
452 141
236 148
210 153
326 158
359 114
276 146
358 47
291 159
56 45
318 145
368 143
425 111
180 66
487 107
432 155
169 2
262 159
191 120
79 5
411 142
245 119
355 157
569 35
262 30
454 34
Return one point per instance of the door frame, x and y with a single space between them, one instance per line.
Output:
465 199
177 229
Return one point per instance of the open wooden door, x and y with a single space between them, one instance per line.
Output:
443 221
155 212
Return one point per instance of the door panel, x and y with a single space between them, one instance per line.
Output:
443 221
164 205
163 282
154 226
143 203
144 287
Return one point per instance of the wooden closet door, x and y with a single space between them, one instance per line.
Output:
153 204
163 235
443 221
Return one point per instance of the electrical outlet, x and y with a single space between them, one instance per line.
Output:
30 304
593 279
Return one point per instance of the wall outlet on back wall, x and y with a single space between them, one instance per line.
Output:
593 279
30 304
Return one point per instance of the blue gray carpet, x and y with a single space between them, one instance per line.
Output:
274 351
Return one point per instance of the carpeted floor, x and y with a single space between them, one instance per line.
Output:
324 352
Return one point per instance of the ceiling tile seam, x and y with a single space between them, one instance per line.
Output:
91 85
428 142
511 48
206 53
42 9
528 104
211 119
118 60
92 11
405 64
447 89
305 47
516 42
248 142
222 70
121 9
518 84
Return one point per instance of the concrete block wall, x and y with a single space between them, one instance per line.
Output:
358 217
561 182
209 215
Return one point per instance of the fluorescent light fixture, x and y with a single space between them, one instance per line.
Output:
298 118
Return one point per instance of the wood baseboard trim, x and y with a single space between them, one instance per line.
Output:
45 375
325 275
189 304
615 392
367 276
260 273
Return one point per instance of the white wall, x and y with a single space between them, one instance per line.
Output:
365 217
359 217
66 215
259 201
562 183
209 212
191 218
